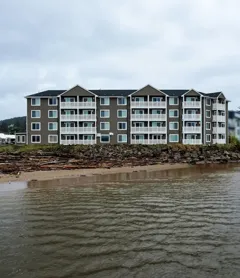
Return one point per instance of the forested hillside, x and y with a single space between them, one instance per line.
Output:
10 126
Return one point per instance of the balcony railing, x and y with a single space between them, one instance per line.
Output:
140 141
148 104
192 141
217 118
219 130
148 130
78 130
219 106
77 105
78 142
192 129
192 104
219 141
157 141
78 117
192 117
148 117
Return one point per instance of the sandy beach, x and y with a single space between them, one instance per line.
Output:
61 174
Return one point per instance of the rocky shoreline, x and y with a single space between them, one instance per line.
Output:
47 158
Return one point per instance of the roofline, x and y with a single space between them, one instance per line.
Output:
145 87
190 91
74 87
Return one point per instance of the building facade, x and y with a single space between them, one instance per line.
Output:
234 124
144 116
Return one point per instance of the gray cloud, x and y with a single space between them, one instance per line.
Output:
111 44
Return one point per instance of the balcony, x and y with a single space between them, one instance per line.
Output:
192 117
78 105
192 129
148 117
78 142
139 141
78 130
148 130
75 118
218 118
219 106
219 141
148 104
192 104
219 130
157 141
192 141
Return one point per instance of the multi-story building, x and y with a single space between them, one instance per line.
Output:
144 116
234 124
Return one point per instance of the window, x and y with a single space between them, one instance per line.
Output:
122 126
53 139
104 113
35 126
122 113
105 126
36 138
173 138
69 99
208 126
36 101
87 99
173 126
208 101
104 101
122 101
52 126
173 101
52 101
105 139
20 138
173 113
122 138
208 113
52 113
157 99
208 138
138 99
36 114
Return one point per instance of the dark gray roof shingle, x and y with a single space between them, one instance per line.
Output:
112 93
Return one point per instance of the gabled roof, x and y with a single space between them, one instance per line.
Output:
48 93
112 93
215 94
174 93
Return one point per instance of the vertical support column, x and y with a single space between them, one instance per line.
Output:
166 121
148 119
183 121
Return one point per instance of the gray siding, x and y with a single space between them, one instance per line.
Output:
178 119
148 90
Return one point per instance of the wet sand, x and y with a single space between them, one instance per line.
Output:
61 174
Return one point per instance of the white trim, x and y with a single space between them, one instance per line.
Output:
104 111
122 98
174 135
52 135
104 98
107 135
210 114
104 123
174 123
122 110
53 104
171 117
36 117
52 117
121 123
210 125
210 138
122 135
210 101
190 91
53 123
173 98
36 123
75 87
35 142
145 87
34 105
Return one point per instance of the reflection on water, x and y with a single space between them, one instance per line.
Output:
181 223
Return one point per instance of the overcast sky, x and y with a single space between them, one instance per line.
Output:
56 44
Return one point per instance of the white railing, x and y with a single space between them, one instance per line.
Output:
138 117
192 104
219 141
148 104
148 130
139 129
149 117
219 106
221 130
78 142
192 141
192 129
218 118
91 117
192 117
78 130
140 141
77 105
157 141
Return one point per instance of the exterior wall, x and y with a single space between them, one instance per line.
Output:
178 119
148 90
205 120
77 91
23 138
44 120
